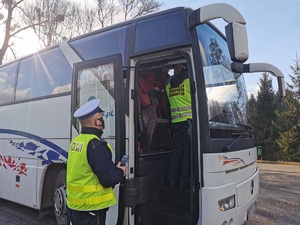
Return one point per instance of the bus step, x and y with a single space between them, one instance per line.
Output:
175 198
165 214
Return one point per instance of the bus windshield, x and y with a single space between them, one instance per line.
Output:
225 90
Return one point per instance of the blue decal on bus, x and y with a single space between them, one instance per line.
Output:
47 155
108 114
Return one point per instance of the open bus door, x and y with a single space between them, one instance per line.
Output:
150 200
103 79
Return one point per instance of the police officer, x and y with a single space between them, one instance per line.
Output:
178 93
91 174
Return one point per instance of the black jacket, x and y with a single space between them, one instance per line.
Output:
100 159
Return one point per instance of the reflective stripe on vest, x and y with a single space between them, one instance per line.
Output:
180 101
181 116
84 192
91 201
181 109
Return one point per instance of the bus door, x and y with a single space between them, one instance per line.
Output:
103 79
154 202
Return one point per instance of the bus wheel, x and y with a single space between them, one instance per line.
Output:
60 200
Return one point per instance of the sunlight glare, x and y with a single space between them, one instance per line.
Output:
27 43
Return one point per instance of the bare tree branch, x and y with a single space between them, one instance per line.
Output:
135 8
79 17
13 52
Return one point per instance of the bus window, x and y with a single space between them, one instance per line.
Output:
101 44
98 82
7 83
226 95
43 74
160 31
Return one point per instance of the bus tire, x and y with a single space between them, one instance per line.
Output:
60 200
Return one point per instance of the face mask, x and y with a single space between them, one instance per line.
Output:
102 121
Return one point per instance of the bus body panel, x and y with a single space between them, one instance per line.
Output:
220 168
1 170
19 180
210 198
239 214
227 174
31 143
247 189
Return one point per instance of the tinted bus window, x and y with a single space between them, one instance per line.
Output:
7 82
101 44
160 31
44 74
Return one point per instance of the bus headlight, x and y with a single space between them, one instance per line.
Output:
227 203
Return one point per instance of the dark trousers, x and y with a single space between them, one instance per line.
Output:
180 162
87 218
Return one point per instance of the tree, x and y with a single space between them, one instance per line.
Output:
262 115
252 115
135 8
12 27
107 12
47 14
295 87
58 20
15 19
288 122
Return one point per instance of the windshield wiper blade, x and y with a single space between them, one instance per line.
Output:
245 125
227 148
248 128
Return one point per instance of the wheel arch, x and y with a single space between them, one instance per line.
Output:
49 182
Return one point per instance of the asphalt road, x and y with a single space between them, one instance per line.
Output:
279 195
278 201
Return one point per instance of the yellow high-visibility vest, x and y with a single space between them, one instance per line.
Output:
84 192
180 101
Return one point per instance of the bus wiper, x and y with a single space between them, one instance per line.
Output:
249 128
227 148
245 125
221 117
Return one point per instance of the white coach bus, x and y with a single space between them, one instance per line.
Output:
40 92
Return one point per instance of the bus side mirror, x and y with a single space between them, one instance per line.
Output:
281 86
236 35
239 68
236 32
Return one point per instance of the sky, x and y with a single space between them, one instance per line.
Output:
273 28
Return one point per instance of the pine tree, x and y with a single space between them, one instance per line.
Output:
252 108
288 123
262 115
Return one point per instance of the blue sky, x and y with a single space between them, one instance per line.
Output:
273 31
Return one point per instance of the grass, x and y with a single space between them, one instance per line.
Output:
278 162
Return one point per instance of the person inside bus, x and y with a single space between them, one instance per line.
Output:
153 84
179 98
162 75
145 84
91 173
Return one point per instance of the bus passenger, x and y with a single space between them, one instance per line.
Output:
91 174
145 84
153 83
162 75
178 93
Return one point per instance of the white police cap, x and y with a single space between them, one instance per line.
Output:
88 109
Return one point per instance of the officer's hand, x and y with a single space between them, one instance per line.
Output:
124 168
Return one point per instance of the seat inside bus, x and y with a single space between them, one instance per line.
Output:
154 129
